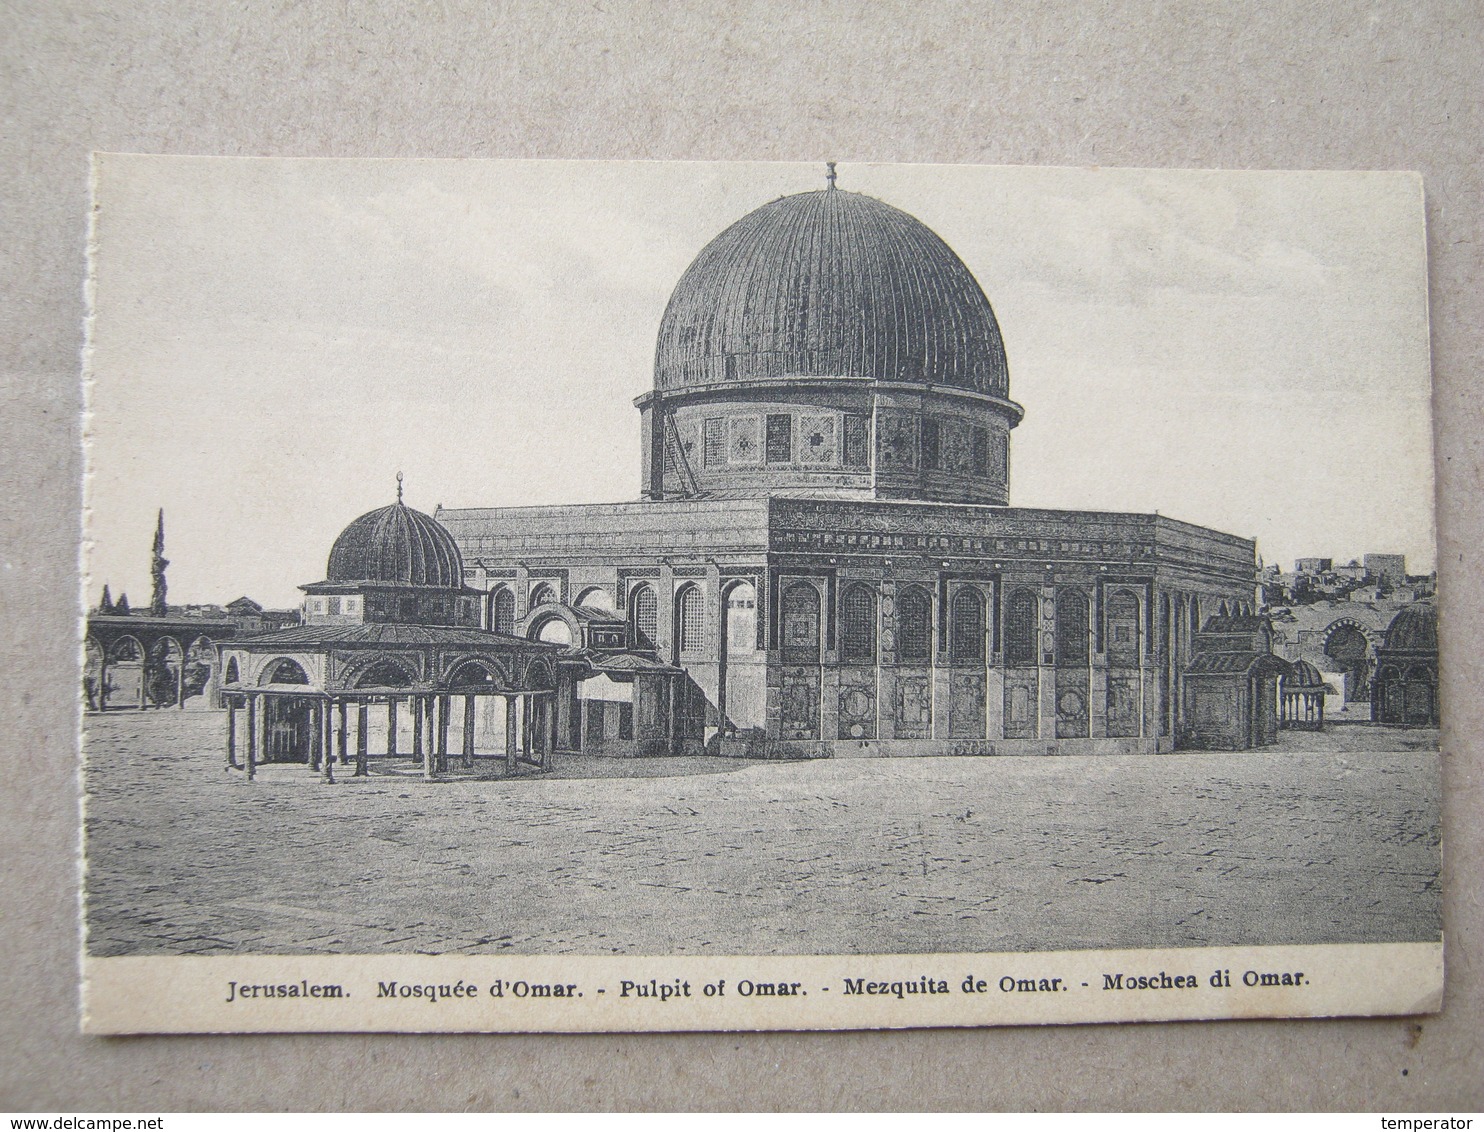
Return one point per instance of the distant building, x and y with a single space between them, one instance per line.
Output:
250 617
1314 565
1390 569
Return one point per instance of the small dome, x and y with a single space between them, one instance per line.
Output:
1305 675
830 284
396 546
1414 629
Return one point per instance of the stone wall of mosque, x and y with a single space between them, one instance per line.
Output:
843 627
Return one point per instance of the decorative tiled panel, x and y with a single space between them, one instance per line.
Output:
897 435
1022 704
1123 705
966 705
744 441
913 710
857 714
1071 704
799 718
817 442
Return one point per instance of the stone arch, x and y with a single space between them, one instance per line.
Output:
475 673
94 672
543 593
94 654
166 647
201 664
539 674
234 671
383 672
553 625
125 650
164 671
283 670
596 597
1349 650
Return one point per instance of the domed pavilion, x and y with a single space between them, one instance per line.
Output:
824 544
1405 689
391 661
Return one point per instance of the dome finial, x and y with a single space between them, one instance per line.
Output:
399 487
830 173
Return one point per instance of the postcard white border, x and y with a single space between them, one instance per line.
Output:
494 993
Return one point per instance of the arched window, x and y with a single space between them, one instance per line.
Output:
914 625
966 626
1021 615
286 672
1071 627
502 611
690 619
1123 628
858 625
233 673
644 616
542 595
801 623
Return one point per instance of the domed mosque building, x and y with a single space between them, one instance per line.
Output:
824 547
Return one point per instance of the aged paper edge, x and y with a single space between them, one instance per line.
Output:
496 993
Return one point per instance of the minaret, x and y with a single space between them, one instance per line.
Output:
157 564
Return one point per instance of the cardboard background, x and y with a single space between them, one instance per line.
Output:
1264 85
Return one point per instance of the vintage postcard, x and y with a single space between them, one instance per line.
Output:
560 596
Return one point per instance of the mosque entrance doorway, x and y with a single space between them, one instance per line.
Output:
744 673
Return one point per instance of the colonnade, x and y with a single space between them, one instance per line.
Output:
323 735
1302 710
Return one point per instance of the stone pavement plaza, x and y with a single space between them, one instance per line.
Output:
717 856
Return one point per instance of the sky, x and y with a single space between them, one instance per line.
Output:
272 340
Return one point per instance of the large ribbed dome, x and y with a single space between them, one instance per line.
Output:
1414 629
398 546
829 284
